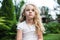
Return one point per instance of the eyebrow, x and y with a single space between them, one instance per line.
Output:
28 8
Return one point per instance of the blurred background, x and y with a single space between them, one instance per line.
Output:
10 12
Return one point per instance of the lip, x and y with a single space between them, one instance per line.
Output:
30 14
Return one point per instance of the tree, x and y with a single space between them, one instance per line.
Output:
8 9
58 1
58 17
44 13
7 20
18 8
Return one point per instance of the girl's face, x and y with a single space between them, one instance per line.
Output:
29 11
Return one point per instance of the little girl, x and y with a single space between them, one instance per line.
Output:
30 24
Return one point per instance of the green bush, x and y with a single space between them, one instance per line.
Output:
7 32
52 27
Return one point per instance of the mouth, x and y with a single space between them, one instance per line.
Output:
30 14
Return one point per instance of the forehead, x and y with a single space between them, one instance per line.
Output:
29 7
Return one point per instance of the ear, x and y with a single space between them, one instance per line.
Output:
23 14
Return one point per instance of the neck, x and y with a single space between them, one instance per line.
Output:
29 21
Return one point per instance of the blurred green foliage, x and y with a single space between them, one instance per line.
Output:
52 37
8 19
52 27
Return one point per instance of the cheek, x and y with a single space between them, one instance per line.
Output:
33 14
26 13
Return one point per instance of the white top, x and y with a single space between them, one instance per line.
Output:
28 31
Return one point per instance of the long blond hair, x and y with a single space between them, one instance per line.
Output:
37 18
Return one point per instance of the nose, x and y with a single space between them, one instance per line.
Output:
30 11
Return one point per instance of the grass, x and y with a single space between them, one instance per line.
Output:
46 37
52 37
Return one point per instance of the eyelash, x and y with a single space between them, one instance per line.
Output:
29 10
32 9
